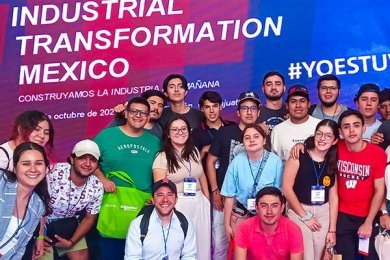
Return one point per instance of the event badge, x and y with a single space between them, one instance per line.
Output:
189 186
364 244
251 202
318 194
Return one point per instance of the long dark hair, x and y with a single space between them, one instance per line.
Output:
41 188
26 122
188 152
332 154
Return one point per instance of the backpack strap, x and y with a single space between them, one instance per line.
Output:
311 109
183 222
146 212
7 155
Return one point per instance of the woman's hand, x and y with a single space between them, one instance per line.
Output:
384 221
229 232
330 239
38 248
313 224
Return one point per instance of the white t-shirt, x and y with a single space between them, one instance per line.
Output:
12 227
371 129
286 134
66 198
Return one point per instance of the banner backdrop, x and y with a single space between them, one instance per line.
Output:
75 60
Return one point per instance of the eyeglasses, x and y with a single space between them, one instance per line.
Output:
177 130
327 136
135 112
247 108
330 88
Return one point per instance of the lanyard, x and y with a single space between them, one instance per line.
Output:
250 167
20 225
210 134
262 164
323 114
188 168
166 238
316 172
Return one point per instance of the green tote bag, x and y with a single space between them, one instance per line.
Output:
118 210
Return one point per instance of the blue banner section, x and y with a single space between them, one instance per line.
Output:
76 60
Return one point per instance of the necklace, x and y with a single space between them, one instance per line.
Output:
70 195
334 113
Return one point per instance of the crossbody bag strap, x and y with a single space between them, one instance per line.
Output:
7 155
263 162
121 175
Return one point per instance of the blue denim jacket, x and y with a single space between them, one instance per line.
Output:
35 211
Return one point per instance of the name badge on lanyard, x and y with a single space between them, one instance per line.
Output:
251 203
318 194
189 186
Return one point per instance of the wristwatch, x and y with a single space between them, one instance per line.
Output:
307 217
383 212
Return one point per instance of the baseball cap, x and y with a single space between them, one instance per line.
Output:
86 147
249 95
298 90
384 95
164 182
370 87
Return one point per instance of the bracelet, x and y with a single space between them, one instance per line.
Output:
41 237
71 241
215 190
331 231
307 217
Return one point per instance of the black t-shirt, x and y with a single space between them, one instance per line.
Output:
226 145
306 177
272 117
385 129
194 116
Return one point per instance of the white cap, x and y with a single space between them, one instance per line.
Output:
86 147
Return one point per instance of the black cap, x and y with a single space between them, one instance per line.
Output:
370 87
384 95
298 90
249 95
164 182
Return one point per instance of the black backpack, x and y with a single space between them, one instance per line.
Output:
144 225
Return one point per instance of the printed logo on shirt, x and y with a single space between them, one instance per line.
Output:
134 147
351 184
273 121
353 171
235 148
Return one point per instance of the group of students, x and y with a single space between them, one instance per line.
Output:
213 182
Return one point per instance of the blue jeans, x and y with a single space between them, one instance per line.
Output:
112 248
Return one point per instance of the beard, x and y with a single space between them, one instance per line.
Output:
329 104
78 173
273 98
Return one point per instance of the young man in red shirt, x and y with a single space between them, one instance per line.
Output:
268 235
361 188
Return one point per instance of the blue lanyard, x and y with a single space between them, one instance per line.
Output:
258 172
316 172
166 238
208 131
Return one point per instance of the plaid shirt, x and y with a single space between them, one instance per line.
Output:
34 213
